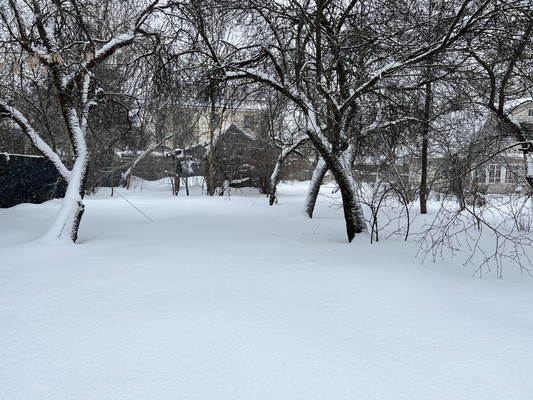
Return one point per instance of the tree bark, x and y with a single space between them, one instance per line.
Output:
273 184
31 34
314 187
67 222
275 173
353 211
425 145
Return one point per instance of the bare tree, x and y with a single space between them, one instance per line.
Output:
326 57
501 72
62 43
495 75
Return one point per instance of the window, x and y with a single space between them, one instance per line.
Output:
512 173
530 112
495 171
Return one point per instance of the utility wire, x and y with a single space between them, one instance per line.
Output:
127 201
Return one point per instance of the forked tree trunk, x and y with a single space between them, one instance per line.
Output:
33 30
340 167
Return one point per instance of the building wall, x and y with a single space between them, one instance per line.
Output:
197 123
503 176
524 112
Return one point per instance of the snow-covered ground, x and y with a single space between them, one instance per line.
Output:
227 298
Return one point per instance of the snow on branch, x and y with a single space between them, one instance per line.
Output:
12 113
143 155
45 28
100 55
143 16
115 43
314 131
376 125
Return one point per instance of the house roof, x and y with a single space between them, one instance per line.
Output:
234 129
512 105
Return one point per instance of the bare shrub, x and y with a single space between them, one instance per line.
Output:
491 237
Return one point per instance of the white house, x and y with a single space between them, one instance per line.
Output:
505 173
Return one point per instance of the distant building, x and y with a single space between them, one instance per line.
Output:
506 172
494 163
192 125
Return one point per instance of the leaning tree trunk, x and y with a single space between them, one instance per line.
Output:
273 184
340 166
67 222
353 210
314 187
126 176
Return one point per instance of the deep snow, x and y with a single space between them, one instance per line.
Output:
227 298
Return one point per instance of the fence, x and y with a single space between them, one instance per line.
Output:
28 179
